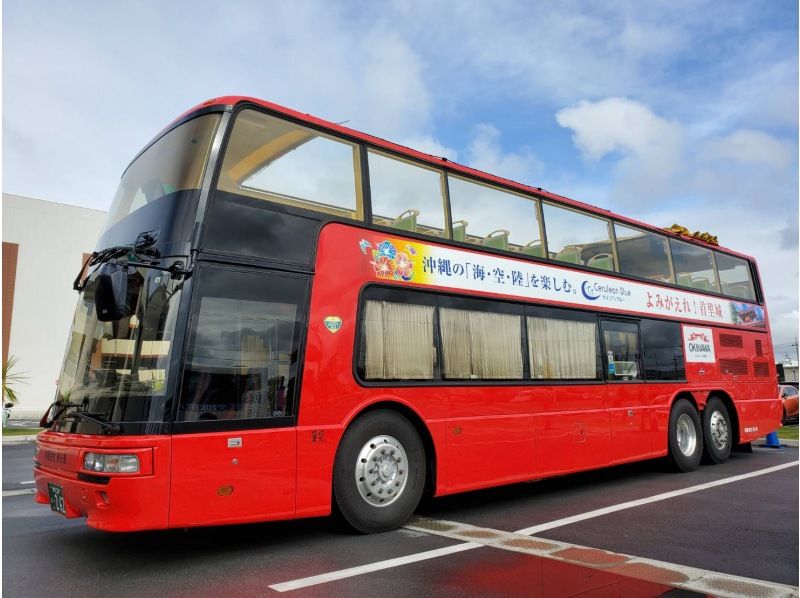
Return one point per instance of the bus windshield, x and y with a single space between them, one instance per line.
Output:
174 163
117 370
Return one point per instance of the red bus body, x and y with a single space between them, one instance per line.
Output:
477 436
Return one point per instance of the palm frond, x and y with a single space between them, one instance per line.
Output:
11 378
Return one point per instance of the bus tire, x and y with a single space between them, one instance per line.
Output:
685 436
717 431
379 472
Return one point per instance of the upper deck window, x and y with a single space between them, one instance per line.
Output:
406 196
176 162
578 238
734 275
642 254
276 160
694 266
494 218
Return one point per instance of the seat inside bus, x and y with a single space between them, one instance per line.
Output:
533 248
406 221
460 230
497 239
601 261
571 255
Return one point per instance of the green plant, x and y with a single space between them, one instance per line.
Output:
10 379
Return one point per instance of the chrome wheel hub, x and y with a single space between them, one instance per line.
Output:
381 471
719 430
687 435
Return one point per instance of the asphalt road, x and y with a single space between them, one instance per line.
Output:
748 527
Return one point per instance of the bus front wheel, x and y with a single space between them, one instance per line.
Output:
717 431
685 436
379 472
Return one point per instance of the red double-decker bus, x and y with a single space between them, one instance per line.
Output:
286 317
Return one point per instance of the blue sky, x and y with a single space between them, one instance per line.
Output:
666 111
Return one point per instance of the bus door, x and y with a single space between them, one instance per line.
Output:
233 446
626 396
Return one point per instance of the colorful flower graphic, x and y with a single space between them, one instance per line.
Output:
384 267
387 262
387 249
404 267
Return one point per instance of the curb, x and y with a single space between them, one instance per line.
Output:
18 439
784 442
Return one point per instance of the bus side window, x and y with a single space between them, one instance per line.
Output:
242 356
397 341
562 345
694 267
663 350
642 253
576 237
622 353
734 275
406 196
495 218
272 159
480 344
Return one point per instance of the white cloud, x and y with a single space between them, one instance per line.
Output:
650 146
618 124
751 147
484 152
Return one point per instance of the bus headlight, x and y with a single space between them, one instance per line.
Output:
107 463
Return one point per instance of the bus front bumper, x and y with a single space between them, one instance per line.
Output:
111 502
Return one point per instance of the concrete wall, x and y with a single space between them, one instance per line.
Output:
52 240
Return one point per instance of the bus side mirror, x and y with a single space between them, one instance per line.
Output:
111 292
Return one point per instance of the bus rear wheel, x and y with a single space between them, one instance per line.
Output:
717 431
379 472
685 436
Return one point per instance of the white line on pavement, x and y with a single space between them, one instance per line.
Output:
529 531
353 571
7 493
431 554
31 482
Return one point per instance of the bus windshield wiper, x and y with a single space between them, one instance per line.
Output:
47 421
107 426
140 253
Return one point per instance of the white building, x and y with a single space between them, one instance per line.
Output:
789 370
44 246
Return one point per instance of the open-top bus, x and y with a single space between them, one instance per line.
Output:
285 317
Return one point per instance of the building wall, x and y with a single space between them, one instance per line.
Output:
51 240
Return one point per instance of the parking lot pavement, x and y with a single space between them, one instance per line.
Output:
18 467
745 526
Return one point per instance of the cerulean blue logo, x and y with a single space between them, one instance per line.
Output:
585 291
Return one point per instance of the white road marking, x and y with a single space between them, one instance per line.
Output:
7 493
388 564
431 554
31 482
536 529
704 581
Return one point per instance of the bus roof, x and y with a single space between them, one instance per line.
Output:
441 162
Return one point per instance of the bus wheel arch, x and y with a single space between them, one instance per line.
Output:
381 468
422 429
